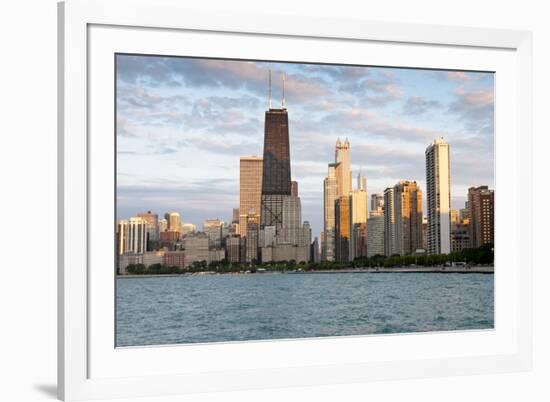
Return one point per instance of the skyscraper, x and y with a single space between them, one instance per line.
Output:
163 226
375 226
280 233
390 246
276 167
377 202
358 206
454 215
186 228
252 238
408 217
213 229
250 189
330 194
315 255
235 216
343 170
174 222
361 181
438 188
342 219
292 220
152 226
375 229
481 206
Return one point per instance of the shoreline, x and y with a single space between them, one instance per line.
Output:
373 270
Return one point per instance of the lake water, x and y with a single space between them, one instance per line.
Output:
216 308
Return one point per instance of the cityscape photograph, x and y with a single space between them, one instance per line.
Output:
261 200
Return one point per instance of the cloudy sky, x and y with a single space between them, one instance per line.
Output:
183 123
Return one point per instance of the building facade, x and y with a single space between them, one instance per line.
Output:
163 226
152 225
196 247
438 194
460 236
235 247
358 206
377 202
132 236
375 228
174 223
252 239
174 259
408 217
481 206
214 230
276 168
329 233
343 170
342 219
250 189
390 245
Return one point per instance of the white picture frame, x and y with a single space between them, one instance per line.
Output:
89 365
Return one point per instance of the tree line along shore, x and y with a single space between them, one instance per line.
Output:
461 261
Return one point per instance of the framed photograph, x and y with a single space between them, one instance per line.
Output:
255 201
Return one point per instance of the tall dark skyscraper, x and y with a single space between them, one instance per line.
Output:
276 183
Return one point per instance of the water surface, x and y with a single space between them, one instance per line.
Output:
216 308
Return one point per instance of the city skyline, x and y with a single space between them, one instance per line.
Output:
183 124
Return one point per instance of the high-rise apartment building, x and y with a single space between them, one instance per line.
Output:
163 226
235 216
252 238
361 182
408 217
377 202
330 195
425 232
315 254
174 224
438 193
132 236
196 246
481 206
375 226
186 228
460 236
235 246
454 216
375 229
292 220
152 225
464 213
358 206
390 245
342 219
338 185
250 189
305 238
213 229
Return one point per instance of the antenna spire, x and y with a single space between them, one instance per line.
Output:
284 101
270 88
